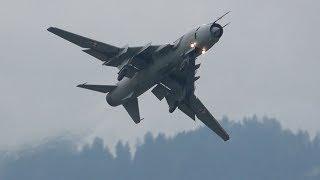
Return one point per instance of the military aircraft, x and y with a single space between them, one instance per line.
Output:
169 68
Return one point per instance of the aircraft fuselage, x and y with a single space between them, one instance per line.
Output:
196 42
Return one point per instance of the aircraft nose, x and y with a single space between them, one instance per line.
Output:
216 30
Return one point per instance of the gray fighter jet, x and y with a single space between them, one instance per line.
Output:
169 68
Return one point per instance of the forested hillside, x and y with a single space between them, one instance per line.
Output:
258 149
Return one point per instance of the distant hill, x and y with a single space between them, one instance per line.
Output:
258 149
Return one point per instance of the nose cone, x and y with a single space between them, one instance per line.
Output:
216 30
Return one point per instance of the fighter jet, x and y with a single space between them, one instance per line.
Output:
170 69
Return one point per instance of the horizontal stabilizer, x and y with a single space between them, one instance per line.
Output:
98 88
132 108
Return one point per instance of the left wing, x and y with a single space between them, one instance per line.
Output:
193 107
178 89
206 117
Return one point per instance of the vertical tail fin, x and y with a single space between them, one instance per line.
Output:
132 107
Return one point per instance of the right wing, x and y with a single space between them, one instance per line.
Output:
95 48
128 59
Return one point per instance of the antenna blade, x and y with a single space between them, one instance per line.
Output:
222 16
226 25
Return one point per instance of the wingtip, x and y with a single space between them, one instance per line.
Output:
50 29
81 85
53 30
227 138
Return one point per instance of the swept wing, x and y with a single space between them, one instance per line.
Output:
179 87
128 60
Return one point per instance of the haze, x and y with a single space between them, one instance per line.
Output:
267 63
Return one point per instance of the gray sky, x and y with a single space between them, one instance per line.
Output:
267 63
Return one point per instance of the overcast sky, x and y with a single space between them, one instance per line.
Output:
267 63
